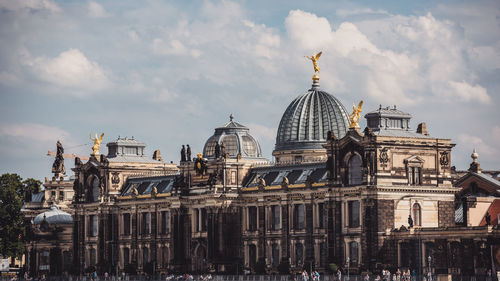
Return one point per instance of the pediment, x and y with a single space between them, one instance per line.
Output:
414 160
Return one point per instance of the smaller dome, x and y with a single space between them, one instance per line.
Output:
54 216
236 139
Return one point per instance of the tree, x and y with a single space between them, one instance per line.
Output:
13 191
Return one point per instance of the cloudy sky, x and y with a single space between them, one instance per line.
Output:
169 72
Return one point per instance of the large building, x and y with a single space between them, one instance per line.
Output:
368 199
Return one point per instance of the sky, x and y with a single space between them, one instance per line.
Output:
169 72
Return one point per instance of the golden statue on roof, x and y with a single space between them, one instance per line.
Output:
97 144
354 117
314 59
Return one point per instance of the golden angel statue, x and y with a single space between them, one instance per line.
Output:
314 59
354 117
97 144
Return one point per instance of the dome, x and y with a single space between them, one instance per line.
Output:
54 216
307 120
236 139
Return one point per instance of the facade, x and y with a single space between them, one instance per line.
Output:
383 197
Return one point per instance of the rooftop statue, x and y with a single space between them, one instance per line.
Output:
97 144
354 117
58 166
314 59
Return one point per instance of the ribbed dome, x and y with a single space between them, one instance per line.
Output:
308 119
54 216
236 139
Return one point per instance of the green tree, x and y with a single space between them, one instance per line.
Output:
13 191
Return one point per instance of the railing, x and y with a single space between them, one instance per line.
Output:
372 277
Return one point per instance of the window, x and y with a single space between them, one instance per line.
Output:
204 220
61 195
353 252
92 226
417 215
196 221
95 189
276 255
210 147
165 257
414 175
353 213
126 224
299 254
355 170
93 257
298 158
323 255
126 256
252 255
276 217
146 223
233 177
231 145
165 222
321 215
145 256
252 218
249 146
299 221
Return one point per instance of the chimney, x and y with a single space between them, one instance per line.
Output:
422 129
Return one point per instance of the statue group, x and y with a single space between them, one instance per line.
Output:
185 154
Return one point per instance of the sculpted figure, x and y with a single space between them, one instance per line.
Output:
188 153
354 117
58 166
183 154
97 144
314 59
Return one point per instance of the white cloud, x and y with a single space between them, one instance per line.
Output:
475 142
134 37
33 132
469 93
16 5
261 132
72 70
360 11
96 10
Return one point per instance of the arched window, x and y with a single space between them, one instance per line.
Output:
355 170
276 254
299 254
95 189
417 214
353 252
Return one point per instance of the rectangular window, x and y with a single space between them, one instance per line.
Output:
92 229
204 220
126 255
196 220
61 195
146 223
353 213
321 215
414 175
165 222
126 224
233 177
276 217
299 219
252 218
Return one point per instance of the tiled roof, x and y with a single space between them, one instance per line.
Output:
493 210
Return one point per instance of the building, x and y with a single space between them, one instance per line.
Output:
385 196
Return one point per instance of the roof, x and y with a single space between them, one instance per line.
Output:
493 210
388 112
297 174
307 120
54 216
400 133
145 185
483 181
38 197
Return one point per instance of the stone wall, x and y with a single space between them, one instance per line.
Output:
446 213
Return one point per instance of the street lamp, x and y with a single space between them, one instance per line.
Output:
348 261
429 273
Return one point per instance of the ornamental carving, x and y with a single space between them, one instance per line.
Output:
384 158
444 159
115 179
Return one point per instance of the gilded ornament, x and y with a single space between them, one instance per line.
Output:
314 59
355 115
97 144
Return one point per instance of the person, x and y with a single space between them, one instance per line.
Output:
304 275
339 275
106 276
123 275
488 274
366 278
398 275
377 278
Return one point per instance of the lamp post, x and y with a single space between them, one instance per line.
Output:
348 261
429 273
